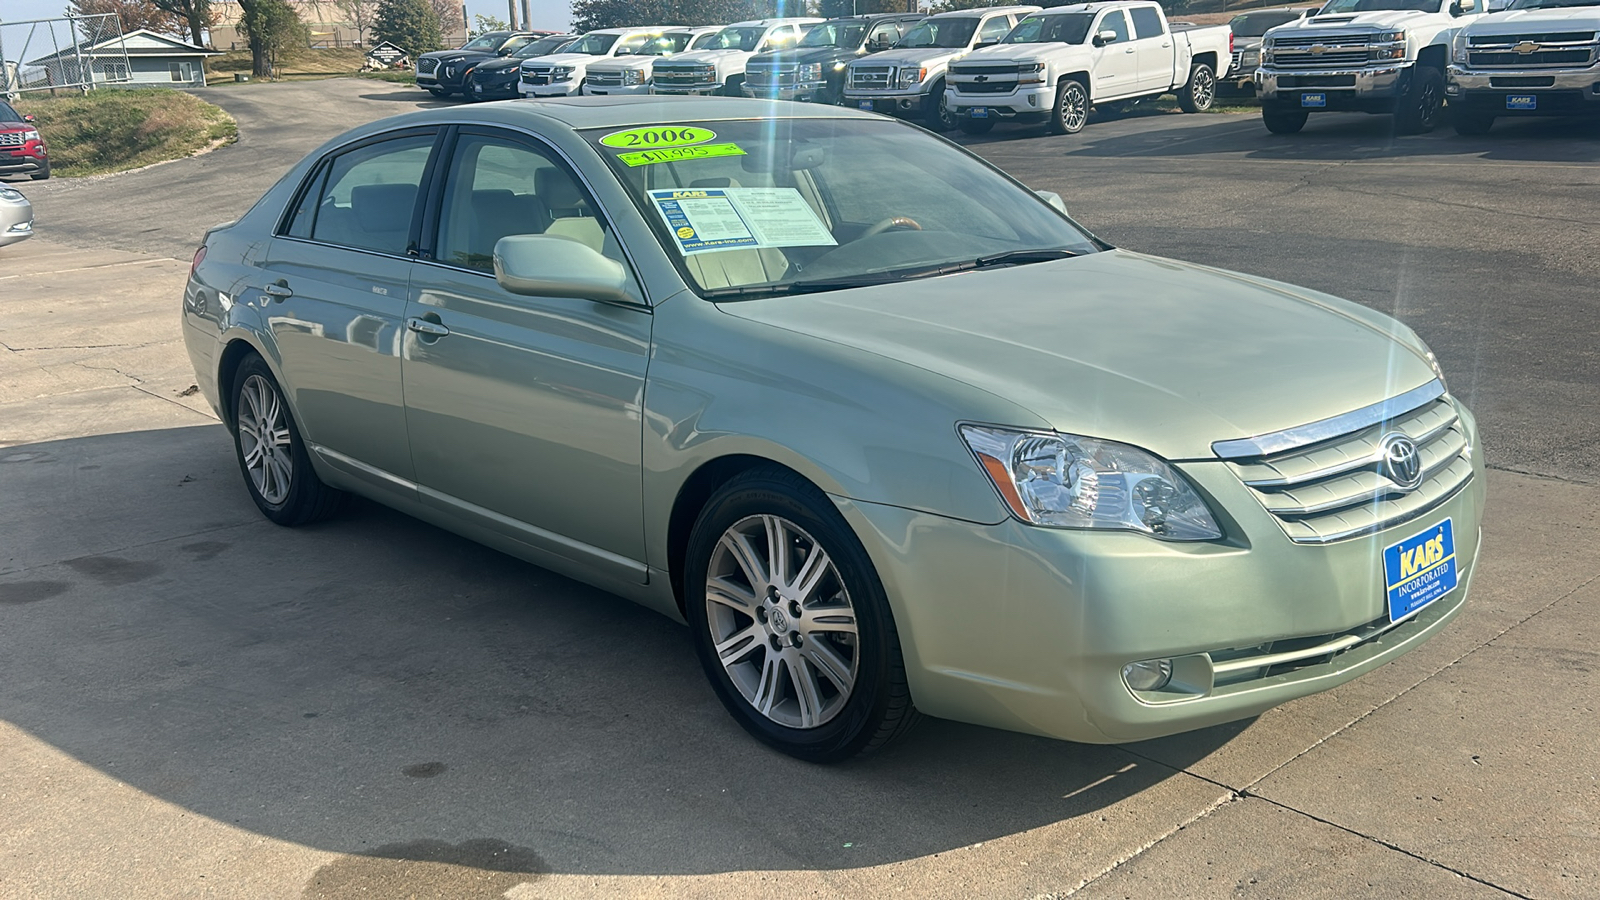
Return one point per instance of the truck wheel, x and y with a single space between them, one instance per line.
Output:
1418 109
1200 92
1071 111
1471 123
734 87
938 112
1283 120
438 93
970 125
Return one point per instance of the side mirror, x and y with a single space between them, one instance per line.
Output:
28 117
1103 38
1054 199
982 44
1456 11
542 265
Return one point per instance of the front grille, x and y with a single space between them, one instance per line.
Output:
1335 489
531 78
605 79
871 78
1510 59
1522 81
967 71
763 76
426 66
683 77
1328 59
1316 81
11 139
985 87
1306 42
1557 48
1550 37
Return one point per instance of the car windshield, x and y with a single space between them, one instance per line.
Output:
1071 28
779 206
1550 4
1256 24
666 44
7 114
592 44
705 41
744 39
835 34
1354 6
542 47
488 43
951 34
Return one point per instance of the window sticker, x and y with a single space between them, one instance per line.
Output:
637 158
658 136
709 219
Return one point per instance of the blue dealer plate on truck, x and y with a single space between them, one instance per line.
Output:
1314 101
864 104
979 112
1522 101
1420 570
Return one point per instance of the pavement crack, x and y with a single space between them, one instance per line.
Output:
1569 479
1475 207
1229 797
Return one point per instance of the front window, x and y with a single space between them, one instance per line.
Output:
766 207
745 39
835 34
633 44
1355 6
515 44
487 43
666 44
949 34
1551 4
592 44
705 41
1071 28
542 47
1256 24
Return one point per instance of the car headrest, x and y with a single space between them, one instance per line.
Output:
556 188
383 207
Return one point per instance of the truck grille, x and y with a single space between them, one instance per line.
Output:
871 78
984 79
1330 51
1521 51
697 77
11 139
768 76
426 66
605 79
1336 489
536 78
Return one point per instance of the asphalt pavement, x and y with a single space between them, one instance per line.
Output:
196 703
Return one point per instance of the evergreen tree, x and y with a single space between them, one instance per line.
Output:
273 29
408 24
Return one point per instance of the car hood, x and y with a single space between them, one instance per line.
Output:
701 57
624 63
918 56
445 56
802 56
1345 22
498 65
1580 18
1000 54
565 59
1165 355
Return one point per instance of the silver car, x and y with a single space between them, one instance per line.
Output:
889 431
16 216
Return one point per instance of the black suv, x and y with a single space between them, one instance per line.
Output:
813 70
444 72
496 79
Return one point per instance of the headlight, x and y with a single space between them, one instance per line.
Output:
808 72
1033 74
30 136
1438 372
561 74
910 77
1389 37
12 194
1387 45
449 71
1458 47
633 76
1067 481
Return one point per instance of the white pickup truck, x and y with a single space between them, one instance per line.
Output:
719 69
1058 63
1539 58
1374 56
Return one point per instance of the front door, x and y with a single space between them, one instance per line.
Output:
333 296
1116 73
525 413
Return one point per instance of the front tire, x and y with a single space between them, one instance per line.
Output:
791 622
1071 110
437 93
1419 108
937 113
1200 92
272 456
1281 120
43 173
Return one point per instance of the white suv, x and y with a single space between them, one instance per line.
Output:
562 74
631 74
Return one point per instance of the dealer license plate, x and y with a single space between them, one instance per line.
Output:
478 88
1522 101
1420 570
979 112
1314 101
864 104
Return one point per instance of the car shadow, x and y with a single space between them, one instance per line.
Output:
379 687
418 98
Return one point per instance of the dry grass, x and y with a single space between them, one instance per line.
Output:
343 61
110 130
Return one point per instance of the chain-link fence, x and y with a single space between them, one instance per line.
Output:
72 52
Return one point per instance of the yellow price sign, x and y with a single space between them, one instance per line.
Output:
678 154
658 136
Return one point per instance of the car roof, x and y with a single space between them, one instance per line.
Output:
620 111
977 11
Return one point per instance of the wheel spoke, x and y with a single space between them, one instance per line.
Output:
770 685
829 620
811 571
745 555
731 595
739 644
807 693
827 662
777 551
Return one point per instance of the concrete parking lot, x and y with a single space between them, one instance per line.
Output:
196 703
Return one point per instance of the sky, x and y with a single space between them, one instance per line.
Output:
555 14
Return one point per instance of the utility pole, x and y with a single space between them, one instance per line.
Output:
511 12
527 15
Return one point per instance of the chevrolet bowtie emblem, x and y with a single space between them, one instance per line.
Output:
980 78
1318 49
1525 47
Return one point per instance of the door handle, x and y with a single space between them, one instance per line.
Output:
278 291
1129 50
1165 46
423 326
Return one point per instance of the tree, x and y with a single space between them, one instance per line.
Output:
133 14
448 12
194 13
358 14
485 24
271 27
408 24
588 15
834 8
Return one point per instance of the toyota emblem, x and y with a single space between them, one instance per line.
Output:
1401 461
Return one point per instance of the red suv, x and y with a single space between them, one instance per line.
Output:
22 150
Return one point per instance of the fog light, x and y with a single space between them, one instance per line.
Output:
1033 100
1148 675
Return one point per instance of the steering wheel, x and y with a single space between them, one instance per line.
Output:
905 222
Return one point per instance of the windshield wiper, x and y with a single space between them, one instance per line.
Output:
1022 257
818 285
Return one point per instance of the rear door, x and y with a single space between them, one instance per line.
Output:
1153 47
333 297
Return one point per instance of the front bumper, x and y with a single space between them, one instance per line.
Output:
1027 629
1026 104
704 89
497 89
890 103
15 226
1369 89
1555 93
24 160
569 88
805 92
610 90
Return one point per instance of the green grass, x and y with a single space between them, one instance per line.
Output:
343 61
109 130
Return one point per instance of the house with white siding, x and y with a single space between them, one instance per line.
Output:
137 59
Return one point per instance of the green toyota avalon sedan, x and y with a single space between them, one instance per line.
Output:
885 428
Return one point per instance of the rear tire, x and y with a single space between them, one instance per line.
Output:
1071 110
1282 120
1200 92
1471 123
1419 108
970 125
937 113
791 622
272 456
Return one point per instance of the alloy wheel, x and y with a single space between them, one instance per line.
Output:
264 440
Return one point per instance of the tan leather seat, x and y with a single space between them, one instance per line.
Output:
734 268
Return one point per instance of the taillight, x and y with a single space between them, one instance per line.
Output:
1230 43
199 255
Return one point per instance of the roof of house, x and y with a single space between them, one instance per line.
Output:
141 42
